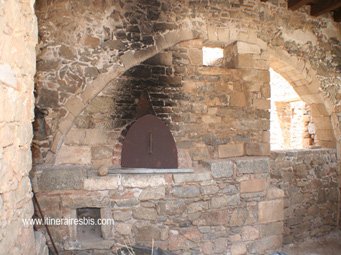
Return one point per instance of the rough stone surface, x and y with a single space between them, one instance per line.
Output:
104 65
310 184
254 185
270 211
95 63
197 213
220 168
18 38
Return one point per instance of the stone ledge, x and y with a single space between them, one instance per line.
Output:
241 165
149 171
303 151
82 177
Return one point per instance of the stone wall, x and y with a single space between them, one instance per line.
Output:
309 179
18 37
224 207
84 47
231 109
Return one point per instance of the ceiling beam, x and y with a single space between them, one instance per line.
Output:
324 6
337 15
295 4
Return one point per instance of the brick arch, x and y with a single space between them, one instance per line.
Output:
77 103
304 81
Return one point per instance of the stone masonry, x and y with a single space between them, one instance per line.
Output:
310 184
224 207
18 33
231 109
80 53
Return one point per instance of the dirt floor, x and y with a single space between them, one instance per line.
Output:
328 245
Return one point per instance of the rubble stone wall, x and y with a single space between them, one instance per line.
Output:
309 179
18 38
85 47
212 111
224 207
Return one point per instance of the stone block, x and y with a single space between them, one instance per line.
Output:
245 61
127 202
274 193
253 185
271 229
184 159
220 246
238 249
216 217
67 52
81 199
191 177
225 200
147 233
257 149
186 191
122 215
102 182
142 213
261 104
108 228
209 190
171 207
270 211
75 105
101 152
266 136
74 155
152 193
123 228
231 150
58 178
66 123
197 207
219 168
249 233
90 41
142 181
95 137
238 99
247 48
75 136
267 244
248 165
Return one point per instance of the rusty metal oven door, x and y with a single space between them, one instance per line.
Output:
149 144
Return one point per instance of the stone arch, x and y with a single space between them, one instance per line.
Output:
304 81
77 103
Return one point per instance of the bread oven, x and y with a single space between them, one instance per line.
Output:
149 144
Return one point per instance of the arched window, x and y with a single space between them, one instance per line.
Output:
290 117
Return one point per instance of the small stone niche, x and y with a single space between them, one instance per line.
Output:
90 230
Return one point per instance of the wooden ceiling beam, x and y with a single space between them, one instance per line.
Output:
295 4
324 6
337 15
